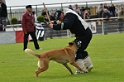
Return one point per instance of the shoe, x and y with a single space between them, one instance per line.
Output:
88 63
39 49
24 49
89 68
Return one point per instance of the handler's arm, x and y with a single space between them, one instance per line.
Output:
67 23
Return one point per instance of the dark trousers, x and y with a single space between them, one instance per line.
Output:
34 40
81 53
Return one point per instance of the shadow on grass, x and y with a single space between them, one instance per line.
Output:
64 76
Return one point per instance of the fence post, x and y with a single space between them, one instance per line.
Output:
86 4
103 31
36 10
111 1
10 13
61 6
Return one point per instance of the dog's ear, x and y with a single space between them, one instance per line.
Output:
71 43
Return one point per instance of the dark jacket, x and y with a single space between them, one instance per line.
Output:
28 22
112 9
74 23
3 10
106 15
99 14
106 7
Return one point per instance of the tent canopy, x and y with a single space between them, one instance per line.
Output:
35 2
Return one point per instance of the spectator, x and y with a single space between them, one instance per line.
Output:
35 16
100 10
82 12
46 22
45 16
70 7
28 27
3 13
106 6
4 1
77 10
121 19
106 15
52 18
112 10
101 7
86 14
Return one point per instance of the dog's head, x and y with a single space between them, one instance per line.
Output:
75 42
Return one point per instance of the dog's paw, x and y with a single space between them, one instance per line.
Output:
36 74
86 71
72 73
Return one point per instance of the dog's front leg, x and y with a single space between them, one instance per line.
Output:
75 65
72 62
69 69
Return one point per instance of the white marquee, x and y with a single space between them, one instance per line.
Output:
34 2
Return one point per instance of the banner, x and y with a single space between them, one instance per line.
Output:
92 26
11 37
7 37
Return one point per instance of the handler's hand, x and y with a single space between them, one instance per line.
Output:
25 32
52 22
51 25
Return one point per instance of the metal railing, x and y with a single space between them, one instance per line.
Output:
17 11
97 25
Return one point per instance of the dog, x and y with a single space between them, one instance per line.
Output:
62 56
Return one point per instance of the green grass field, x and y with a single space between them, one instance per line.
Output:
106 52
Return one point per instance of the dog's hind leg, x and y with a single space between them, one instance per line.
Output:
69 69
43 66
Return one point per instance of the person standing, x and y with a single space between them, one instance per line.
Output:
100 10
106 15
77 10
28 27
106 6
72 21
112 10
3 14
86 14
121 19
70 7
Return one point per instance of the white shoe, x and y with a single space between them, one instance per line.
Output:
80 63
39 49
88 64
89 68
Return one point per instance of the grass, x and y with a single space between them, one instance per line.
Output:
106 52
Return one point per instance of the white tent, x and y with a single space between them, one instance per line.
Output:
34 2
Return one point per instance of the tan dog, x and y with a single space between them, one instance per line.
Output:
62 56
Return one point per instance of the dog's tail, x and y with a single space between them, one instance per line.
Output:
29 51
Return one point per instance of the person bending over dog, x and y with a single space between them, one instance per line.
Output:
72 21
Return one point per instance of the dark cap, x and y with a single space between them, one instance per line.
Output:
57 14
28 6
